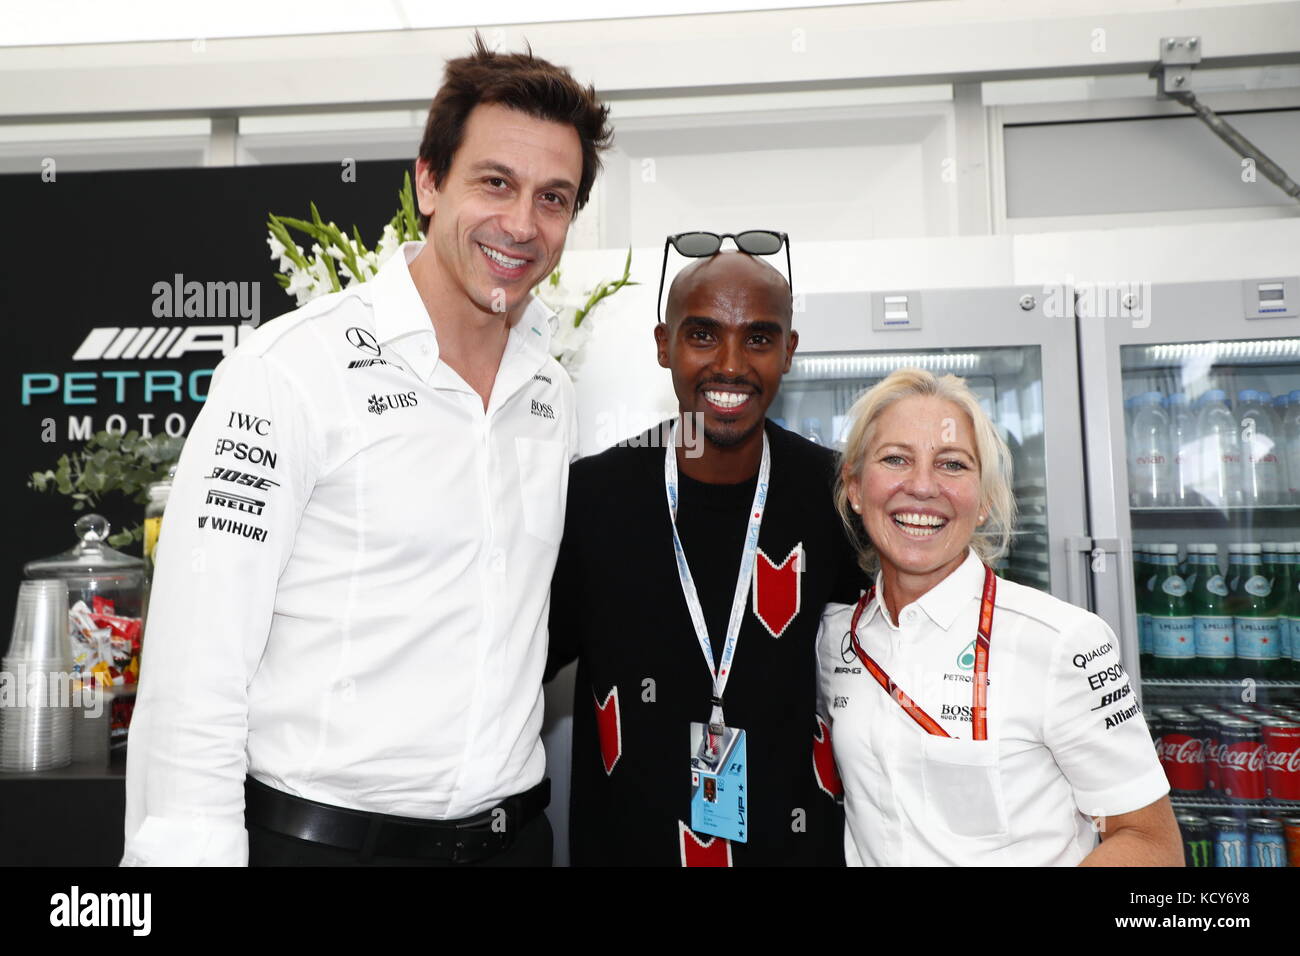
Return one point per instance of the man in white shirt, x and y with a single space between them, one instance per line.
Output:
348 620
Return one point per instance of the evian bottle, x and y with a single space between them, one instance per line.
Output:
1261 462
1150 462
1184 445
1219 461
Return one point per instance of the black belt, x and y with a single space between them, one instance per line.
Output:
379 834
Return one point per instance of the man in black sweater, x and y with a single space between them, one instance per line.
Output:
621 598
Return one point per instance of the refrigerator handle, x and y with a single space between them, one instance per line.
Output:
1076 573
1120 554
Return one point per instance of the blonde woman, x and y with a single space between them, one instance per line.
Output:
974 721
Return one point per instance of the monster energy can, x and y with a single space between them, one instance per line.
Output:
1197 845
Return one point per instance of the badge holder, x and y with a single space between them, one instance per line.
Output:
719 778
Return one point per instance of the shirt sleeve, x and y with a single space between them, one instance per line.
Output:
1094 728
243 480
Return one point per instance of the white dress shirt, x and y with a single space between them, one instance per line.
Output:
353 577
1065 739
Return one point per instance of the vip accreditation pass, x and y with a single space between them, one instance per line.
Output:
719 790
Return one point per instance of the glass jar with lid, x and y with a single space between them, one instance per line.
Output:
105 608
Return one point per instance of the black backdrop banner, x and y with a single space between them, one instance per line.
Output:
181 252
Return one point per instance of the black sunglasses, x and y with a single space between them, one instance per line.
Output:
701 245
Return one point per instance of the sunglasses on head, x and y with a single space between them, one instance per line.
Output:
701 245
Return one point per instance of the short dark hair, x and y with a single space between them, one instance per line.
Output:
520 81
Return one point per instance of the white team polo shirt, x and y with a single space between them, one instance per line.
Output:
353 577
1065 739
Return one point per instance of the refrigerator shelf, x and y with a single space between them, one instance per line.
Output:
1199 510
1208 682
1181 802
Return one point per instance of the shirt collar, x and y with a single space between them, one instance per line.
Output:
943 602
400 317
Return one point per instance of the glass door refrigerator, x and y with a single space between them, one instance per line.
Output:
1191 409
1014 346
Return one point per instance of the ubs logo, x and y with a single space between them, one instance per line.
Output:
382 403
363 340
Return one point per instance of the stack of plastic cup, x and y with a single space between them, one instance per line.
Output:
36 713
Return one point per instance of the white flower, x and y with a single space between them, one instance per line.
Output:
568 341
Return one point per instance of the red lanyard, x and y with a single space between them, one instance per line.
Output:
979 680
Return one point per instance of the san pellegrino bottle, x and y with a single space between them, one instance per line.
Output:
1254 618
1290 608
1215 642
1173 628
1142 572
1284 585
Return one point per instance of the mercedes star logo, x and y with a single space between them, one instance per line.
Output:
847 653
363 340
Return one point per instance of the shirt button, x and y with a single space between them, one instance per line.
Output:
910 616
424 349
497 561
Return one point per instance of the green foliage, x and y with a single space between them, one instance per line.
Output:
602 291
111 464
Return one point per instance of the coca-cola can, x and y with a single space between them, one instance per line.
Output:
1282 760
1211 745
1241 761
1182 754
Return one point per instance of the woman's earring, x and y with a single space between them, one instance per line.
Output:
858 509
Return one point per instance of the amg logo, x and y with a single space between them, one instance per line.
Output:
542 409
848 670
248 505
1114 720
233 527
150 342
366 363
242 478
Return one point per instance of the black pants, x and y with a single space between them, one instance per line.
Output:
266 848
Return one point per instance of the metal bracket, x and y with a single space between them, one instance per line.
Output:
1173 74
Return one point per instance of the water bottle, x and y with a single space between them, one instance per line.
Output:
1183 446
1255 619
1173 627
1212 623
1284 583
1150 464
1219 469
1289 608
1261 464
1291 445
1142 573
